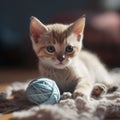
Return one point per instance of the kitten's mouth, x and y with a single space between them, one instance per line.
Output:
60 63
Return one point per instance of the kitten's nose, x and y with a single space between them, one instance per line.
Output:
61 57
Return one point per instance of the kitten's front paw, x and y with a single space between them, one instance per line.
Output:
80 94
98 90
66 95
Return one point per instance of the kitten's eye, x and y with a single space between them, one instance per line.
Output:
50 49
69 48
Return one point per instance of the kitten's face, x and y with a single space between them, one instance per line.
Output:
57 45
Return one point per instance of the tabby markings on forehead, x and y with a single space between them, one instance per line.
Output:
59 36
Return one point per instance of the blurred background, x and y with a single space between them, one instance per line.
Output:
102 32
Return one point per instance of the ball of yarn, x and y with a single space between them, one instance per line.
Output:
43 90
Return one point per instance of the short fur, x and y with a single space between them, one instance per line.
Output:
76 71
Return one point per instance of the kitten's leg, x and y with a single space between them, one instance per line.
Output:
83 89
98 90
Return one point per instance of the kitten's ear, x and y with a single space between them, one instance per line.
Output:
78 26
36 29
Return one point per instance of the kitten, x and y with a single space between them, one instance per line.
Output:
61 58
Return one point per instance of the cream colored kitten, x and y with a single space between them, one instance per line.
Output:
61 58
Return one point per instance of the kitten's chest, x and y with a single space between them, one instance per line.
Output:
65 79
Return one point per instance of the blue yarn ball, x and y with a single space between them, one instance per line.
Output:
43 90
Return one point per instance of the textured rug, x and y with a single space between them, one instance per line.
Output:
14 101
